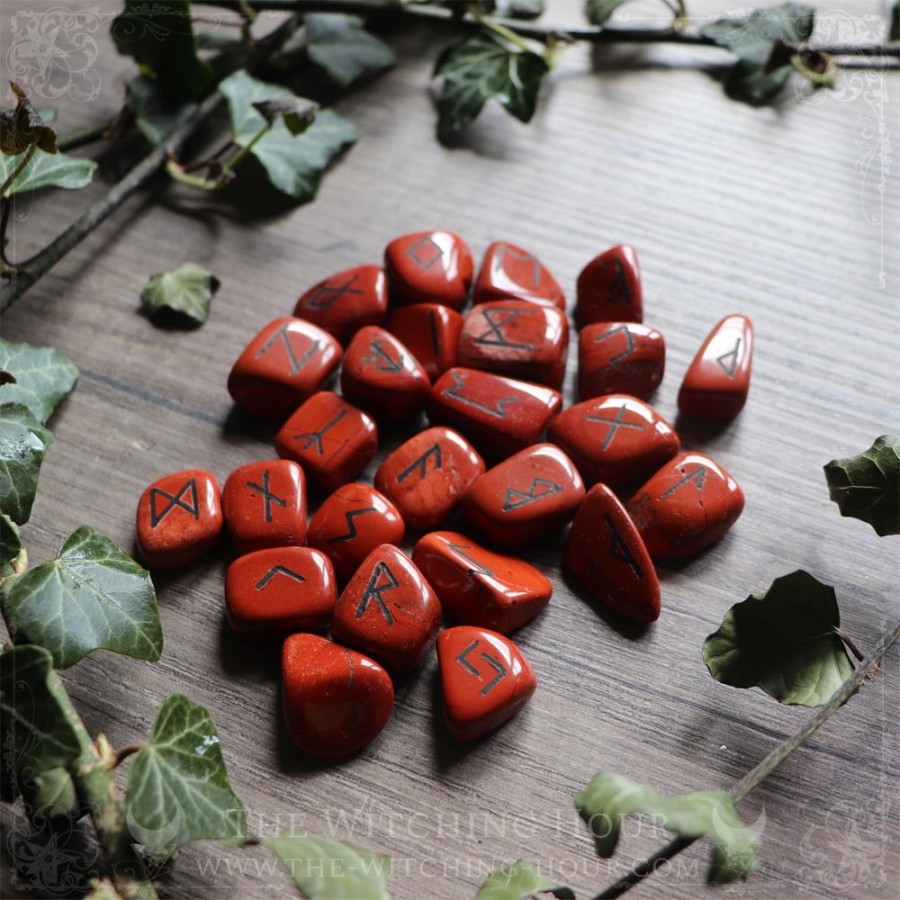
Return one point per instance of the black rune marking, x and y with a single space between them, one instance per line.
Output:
505 250
351 533
311 438
729 361
283 335
327 294
374 590
435 338
480 568
278 570
421 464
618 549
614 424
268 497
491 660
499 411
629 343
540 488
175 500
496 318
619 292
425 252
697 476
390 364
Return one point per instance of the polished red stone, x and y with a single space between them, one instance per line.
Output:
343 303
179 518
388 610
609 288
528 496
335 700
274 592
620 358
429 267
686 506
331 439
427 476
499 415
382 376
351 523
605 551
509 271
264 504
480 587
614 439
287 362
518 338
431 332
717 381
485 680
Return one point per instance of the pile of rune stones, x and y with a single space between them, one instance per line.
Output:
489 380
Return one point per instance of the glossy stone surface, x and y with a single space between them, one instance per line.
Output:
686 506
509 271
427 476
609 288
351 523
716 383
528 496
264 504
607 554
431 332
517 338
478 586
429 267
485 680
620 358
499 415
343 303
388 610
335 700
614 439
287 362
382 376
179 518
333 440
274 592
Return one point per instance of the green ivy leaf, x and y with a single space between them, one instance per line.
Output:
519 9
51 794
46 170
481 68
894 28
298 113
330 870
341 45
520 881
93 596
156 116
181 296
609 798
784 641
867 486
23 442
42 377
178 788
10 544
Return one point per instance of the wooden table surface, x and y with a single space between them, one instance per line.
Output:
788 214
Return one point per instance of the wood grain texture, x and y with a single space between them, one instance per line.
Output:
770 212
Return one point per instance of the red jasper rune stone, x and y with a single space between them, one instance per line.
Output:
485 680
620 358
609 288
509 271
179 518
718 379
480 587
429 267
431 332
274 592
335 700
388 610
605 551
686 506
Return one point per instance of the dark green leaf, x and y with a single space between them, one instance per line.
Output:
784 641
330 870
93 596
599 12
159 36
50 794
46 170
43 376
481 68
184 293
519 9
156 116
10 545
298 112
344 49
178 788
520 881
609 798
867 486
23 127
23 442
894 29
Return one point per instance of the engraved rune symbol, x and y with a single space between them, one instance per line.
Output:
350 515
284 336
435 338
496 318
618 549
421 464
459 383
729 361
191 506
490 659
268 497
480 568
619 291
698 477
374 590
505 250
539 489
629 343
614 424
311 438
390 364
327 294
425 252
278 570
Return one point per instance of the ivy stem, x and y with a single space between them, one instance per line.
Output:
123 754
230 164
765 767
17 171
851 646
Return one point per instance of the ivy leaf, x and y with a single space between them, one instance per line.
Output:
182 296
178 788
599 12
867 486
10 545
23 442
754 39
520 881
93 596
42 377
785 641
51 794
894 29
519 9
298 112
341 46
324 869
481 68
24 127
609 798
46 170
155 115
